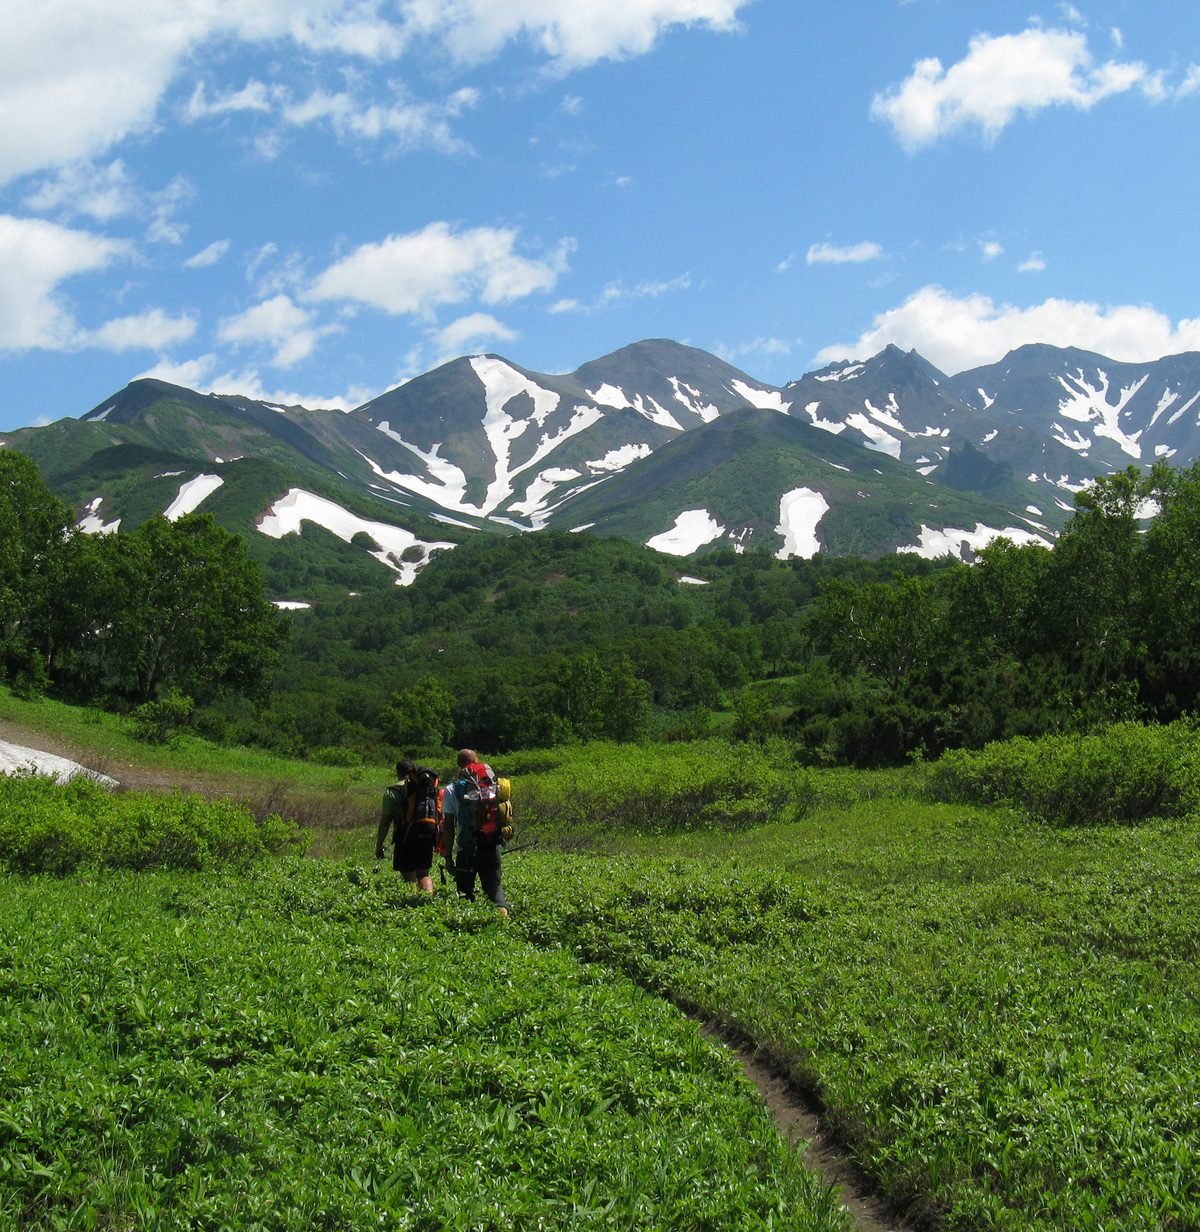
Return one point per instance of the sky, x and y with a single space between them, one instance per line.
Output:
315 200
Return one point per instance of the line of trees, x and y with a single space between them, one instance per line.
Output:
1027 640
123 618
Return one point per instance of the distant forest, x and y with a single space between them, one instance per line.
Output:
536 640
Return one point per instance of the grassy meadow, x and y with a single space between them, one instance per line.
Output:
993 997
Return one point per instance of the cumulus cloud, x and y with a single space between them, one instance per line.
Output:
831 254
207 256
990 249
203 375
453 339
1033 264
103 193
151 330
998 79
281 323
254 96
35 258
76 78
958 333
417 272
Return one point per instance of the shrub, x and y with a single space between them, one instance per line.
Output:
1124 773
159 722
48 828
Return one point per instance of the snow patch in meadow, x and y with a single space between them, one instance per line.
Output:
286 515
692 530
927 470
764 399
291 605
963 543
586 526
92 523
800 511
17 759
691 581
837 466
191 494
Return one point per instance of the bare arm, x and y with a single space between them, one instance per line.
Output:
385 824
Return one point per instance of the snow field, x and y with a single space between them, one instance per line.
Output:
800 512
190 496
951 542
286 515
692 530
93 524
16 759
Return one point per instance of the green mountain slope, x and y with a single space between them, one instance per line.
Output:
738 468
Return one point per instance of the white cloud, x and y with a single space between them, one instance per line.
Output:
831 254
254 96
35 258
959 333
279 322
999 78
417 272
565 305
411 125
617 292
77 77
572 104
199 374
151 330
759 346
785 264
1070 13
207 256
990 249
163 228
573 33
104 193
452 341
1033 264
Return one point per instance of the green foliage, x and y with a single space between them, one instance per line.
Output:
159 722
585 792
1000 1017
1124 774
419 715
310 1048
47 828
33 680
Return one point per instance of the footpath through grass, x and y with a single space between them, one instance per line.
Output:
302 1047
1001 1018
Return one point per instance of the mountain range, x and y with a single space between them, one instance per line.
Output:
658 442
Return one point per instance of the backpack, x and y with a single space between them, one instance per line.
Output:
423 800
492 801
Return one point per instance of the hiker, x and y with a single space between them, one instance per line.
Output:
410 811
471 834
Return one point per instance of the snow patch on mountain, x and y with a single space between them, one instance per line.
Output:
92 523
610 395
842 374
655 413
448 484
190 496
1168 400
618 459
987 402
692 530
1187 406
1088 404
691 581
878 438
285 516
695 403
965 543
103 415
826 425
535 505
991 436
1080 443
764 399
800 511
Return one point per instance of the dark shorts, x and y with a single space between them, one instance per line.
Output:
413 853
487 869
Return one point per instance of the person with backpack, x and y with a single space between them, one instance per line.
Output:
479 822
411 810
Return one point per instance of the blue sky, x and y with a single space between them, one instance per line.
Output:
316 199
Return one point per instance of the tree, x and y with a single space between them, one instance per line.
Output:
419 716
190 612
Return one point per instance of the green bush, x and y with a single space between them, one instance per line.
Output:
49 828
701 785
160 721
1124 773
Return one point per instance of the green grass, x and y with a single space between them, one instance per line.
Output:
1001 1018
308 1047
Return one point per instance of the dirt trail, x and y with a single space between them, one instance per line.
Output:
797 1116
126 773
